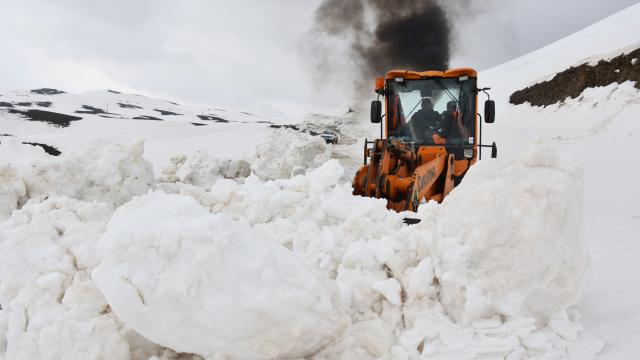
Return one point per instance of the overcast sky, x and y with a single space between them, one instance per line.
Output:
247 54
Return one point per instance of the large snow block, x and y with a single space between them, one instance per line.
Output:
100 171
509 240
207 284
286 153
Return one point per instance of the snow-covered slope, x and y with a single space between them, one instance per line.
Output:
605 38
601 131
167 128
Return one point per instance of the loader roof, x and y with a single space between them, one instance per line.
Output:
408 74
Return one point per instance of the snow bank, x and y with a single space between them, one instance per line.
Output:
517 265
49 243
202 170
209 285
258 269
100 171
286 153
12 190
50 307
509 242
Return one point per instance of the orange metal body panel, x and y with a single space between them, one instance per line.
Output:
414 75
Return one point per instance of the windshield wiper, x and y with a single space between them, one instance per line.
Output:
446 89
411 112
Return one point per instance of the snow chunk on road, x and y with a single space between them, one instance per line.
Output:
509 240
203 171
420 282
100 171
50 308
390 289
207 284
286 153
12 190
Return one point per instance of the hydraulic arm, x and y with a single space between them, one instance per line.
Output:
405 176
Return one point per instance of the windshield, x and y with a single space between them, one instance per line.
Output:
444 107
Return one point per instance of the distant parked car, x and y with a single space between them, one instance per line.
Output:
329 136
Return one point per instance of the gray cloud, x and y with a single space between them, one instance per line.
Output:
253 55
500 30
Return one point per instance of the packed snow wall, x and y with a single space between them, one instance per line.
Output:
295 266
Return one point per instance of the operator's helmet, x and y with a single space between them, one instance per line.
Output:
427 103
452 106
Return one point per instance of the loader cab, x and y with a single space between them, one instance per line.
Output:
433 109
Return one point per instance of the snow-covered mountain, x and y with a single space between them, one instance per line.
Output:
166 126
600 131
60 120
267 254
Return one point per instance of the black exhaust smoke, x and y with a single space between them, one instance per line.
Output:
386 35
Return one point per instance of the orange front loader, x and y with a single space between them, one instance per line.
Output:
424 152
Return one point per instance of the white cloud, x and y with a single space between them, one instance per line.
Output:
254 55
493 31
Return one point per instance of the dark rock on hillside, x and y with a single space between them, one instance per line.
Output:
129 106
198 124
53 118
115 92
146 117
92 110
6 104
573 81
165 112
47 91
51 150
44 103
329 133
213 118
25 103
286 126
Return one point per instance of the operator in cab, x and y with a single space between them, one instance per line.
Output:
452 128
424 123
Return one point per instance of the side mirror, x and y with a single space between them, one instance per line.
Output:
494 151
489 111
376 111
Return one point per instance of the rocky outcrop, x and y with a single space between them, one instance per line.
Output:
573 81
